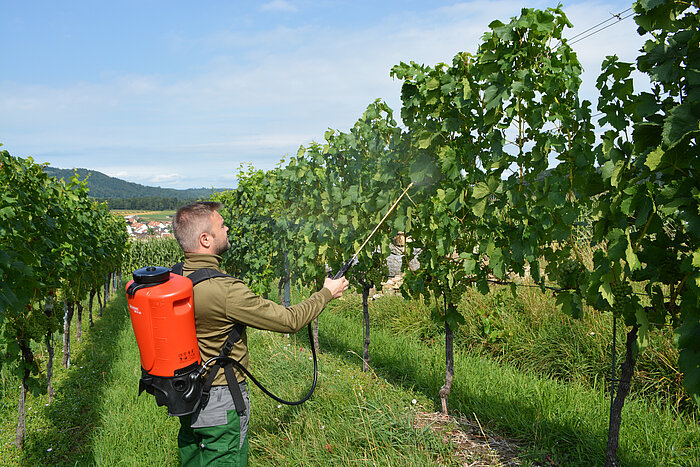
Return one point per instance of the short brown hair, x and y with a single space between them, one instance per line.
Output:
191 220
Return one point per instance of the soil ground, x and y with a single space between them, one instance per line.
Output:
474 447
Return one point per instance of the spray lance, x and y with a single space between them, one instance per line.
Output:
341 272
344 269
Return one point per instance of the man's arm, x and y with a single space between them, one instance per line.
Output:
244 306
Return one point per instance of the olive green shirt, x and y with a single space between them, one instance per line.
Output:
221 302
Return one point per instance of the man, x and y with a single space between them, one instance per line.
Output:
217 434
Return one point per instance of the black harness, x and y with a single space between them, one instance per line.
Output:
234 336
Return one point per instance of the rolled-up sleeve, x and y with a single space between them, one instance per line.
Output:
244 306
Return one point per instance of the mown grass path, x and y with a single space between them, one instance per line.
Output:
60 432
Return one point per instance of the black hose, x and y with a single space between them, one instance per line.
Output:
258 384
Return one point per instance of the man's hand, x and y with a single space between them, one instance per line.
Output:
336 286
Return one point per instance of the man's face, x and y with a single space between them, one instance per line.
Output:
220 233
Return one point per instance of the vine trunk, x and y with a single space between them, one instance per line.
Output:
67 318
449 367
365 318
627 369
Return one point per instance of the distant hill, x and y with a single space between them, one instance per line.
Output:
105 187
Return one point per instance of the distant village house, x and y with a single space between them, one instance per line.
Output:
138 229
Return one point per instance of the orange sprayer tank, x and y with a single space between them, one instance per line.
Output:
162 314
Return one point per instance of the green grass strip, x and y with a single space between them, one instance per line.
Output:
565 422
353 419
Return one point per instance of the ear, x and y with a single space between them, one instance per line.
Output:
205 240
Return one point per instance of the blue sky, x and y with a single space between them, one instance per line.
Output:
179 94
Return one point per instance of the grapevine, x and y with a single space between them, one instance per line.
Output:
572 273
54 242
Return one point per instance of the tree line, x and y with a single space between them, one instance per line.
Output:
147 203
105 187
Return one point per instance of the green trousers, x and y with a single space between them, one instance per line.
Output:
216 435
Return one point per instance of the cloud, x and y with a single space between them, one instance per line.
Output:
166 178
278 5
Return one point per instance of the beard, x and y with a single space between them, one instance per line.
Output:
223 247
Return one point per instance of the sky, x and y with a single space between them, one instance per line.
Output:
180 94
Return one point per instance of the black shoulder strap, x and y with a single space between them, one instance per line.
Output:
203 274
233 387
199 275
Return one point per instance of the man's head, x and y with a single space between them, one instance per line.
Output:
199 228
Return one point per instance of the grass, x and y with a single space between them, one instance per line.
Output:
97 418
59 432
146 216
562 421
529 332
354 418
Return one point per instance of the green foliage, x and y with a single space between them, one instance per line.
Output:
54 240
152 251
373 272
320 207
486 130
305 222
365 166
488 127
647 209
250 212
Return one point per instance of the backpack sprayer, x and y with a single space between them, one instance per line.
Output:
162 316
